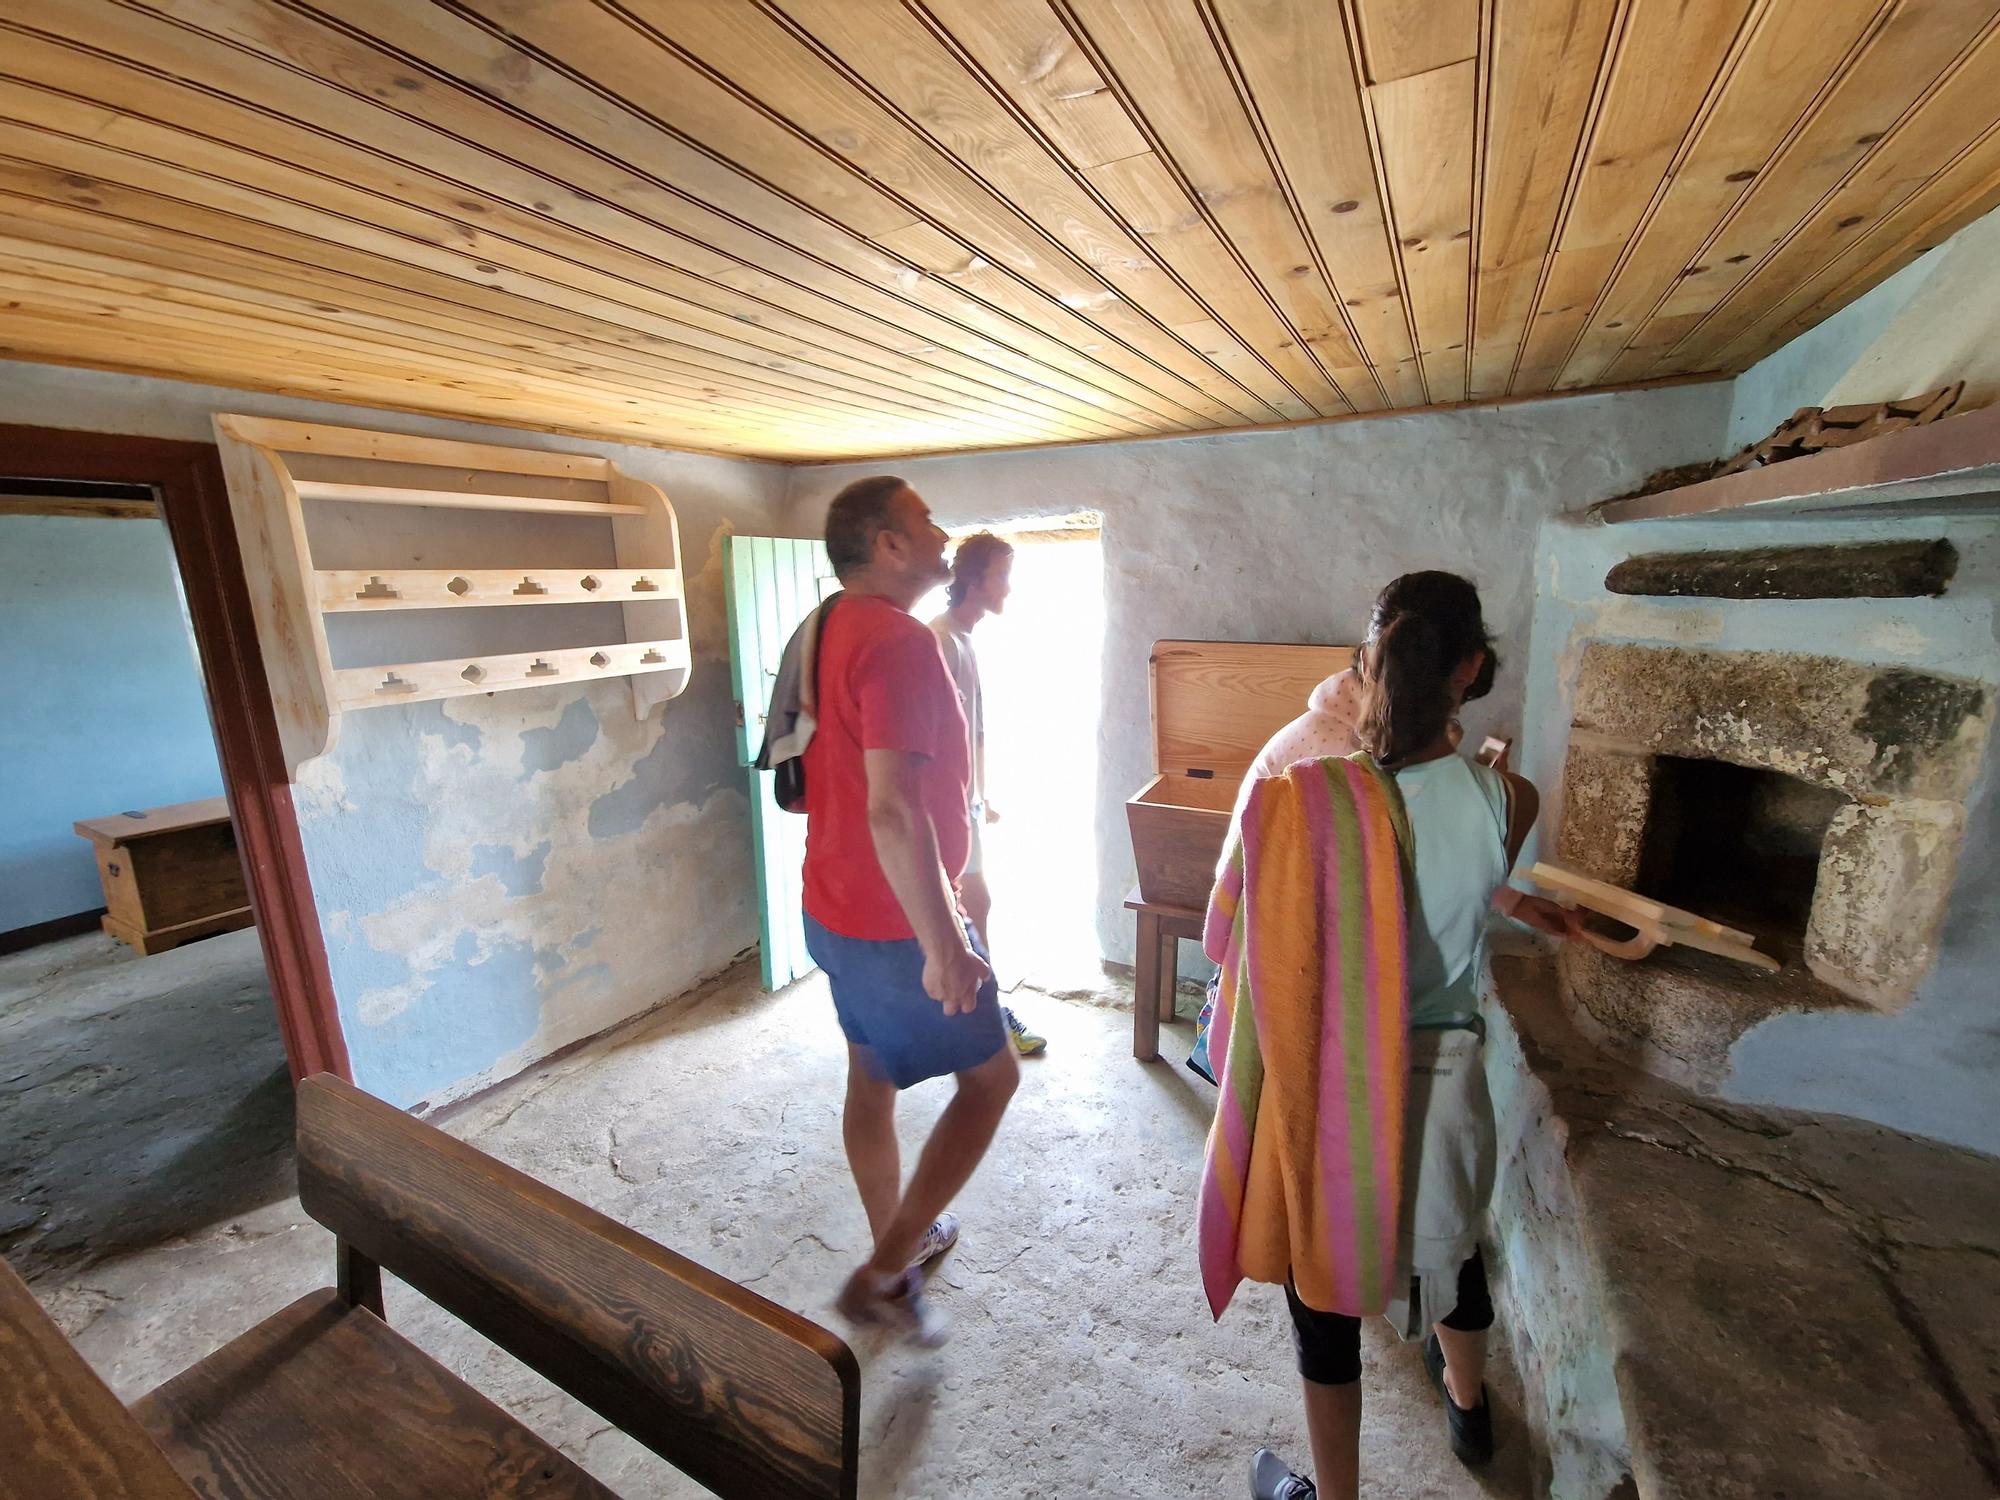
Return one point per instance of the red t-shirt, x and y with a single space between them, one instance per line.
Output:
882 686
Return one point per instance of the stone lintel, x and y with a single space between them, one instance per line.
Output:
1861 570
1871 732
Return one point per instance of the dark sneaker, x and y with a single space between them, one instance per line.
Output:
1272 1479
1471 1432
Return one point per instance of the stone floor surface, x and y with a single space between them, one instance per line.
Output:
140 1098
1084 1361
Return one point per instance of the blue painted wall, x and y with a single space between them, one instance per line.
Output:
105 708
498 876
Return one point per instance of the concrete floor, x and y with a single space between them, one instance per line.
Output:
140 1098
1084 1361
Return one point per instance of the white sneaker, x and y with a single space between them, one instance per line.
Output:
940 1237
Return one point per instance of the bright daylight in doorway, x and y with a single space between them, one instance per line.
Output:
1040 663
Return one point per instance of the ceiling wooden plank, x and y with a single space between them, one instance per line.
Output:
870 372
1789 53
1424 124
329 271
1149 198
46 285
569 142
1923 78
368 224
109 334
811 126
966 115
1136 187
1640 122
813 228
1648 110
1295 57
1164 63
1027 49
1548 57
308 315
1400 38
1964 191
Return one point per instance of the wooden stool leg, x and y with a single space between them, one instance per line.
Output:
1146 990
1170 973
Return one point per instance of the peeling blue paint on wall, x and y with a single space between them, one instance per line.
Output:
547 749
518 874
488 1006
625 807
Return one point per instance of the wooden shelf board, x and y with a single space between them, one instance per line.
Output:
419 682
395 447
368 591
388 494
1952 464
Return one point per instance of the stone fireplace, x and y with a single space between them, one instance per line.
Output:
1817 803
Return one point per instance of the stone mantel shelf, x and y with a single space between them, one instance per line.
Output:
1950 466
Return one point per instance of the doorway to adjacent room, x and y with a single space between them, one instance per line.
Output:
1040 666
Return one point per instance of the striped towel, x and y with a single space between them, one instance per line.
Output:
1310 1040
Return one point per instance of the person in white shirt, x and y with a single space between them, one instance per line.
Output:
980 581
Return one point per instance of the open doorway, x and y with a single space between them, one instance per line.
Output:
1039 665
148 1086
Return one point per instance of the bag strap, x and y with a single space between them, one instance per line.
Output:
809 683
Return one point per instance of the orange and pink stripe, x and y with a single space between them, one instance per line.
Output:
1310 1040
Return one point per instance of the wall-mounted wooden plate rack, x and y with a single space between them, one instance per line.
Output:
276 468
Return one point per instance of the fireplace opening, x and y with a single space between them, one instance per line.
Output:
1739 845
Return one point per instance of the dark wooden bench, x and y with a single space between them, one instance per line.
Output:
324 1399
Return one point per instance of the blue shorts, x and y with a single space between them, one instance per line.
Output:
878 993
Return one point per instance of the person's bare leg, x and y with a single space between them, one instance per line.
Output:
975 898
1464 1364
957 1143
868 1126
1333 1423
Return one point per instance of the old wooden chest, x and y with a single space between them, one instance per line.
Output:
1215 703
171 874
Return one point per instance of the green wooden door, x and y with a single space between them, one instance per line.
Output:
772 584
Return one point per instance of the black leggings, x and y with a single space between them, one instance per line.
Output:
1329 1344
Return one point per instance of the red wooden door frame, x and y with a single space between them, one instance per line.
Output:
187 478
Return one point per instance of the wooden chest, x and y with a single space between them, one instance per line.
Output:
170 874
1215 703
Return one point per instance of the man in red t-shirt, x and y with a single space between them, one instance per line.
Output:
886 838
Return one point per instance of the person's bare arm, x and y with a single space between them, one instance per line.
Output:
1524 805
907 848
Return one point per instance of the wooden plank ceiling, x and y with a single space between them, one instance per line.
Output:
809 228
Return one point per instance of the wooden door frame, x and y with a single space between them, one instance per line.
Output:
194 502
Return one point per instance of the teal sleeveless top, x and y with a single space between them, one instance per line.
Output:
1458 821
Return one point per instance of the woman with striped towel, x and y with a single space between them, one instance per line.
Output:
1352 1151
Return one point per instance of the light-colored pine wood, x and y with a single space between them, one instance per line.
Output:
364 591
1215 703
423 681
1298 51
1543 77
825 228
275 469
1405 37
1424 127
388 494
